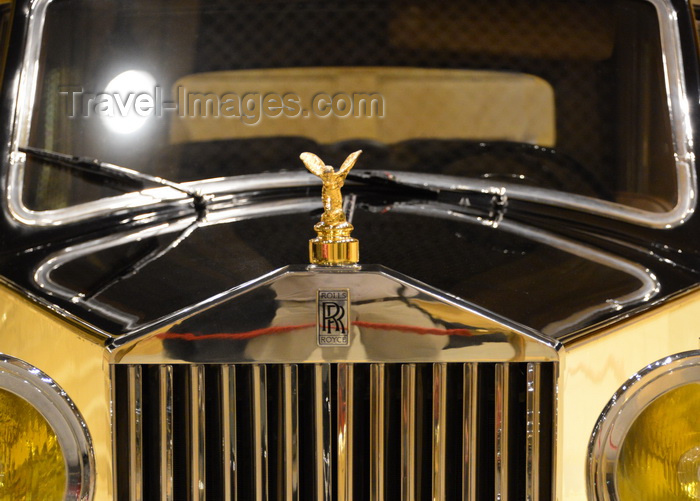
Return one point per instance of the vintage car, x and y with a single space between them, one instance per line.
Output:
501 304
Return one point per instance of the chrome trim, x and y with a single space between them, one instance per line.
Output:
389 311
687 186
413 397
290 458
408 432
377 424
42 274
135 406
532 463
621 411
259 418
556 423
322 426
678 105
113 432
501 431
87 330
228 432
345 430
197 427
223 190
165 410
648 283
439 429
648 289
29 74
469 414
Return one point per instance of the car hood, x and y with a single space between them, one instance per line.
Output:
135 281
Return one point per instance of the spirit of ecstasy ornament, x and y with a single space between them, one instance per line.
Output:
333 245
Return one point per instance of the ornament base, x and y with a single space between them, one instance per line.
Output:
334 253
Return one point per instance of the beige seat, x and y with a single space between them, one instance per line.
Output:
409 103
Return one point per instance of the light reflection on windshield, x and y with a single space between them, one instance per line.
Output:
122 106
227 89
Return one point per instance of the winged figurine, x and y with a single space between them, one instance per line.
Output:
332 183
333 245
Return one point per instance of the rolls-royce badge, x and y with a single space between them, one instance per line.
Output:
333 245
333 322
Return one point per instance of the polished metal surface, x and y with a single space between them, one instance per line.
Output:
533 401
115 491
642 287
290 457
322 427
228 433
197 430
594 368
686 204
165 414
648 284
259 419
469 447
394 319
345 408
439 429
408 432
75 398
333 245
501 428
135 434
294 432
42 274
377 428
49 399
643 292
623 408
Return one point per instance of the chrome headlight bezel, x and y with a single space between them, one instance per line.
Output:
49 399
626 405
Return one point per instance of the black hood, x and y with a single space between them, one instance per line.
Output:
128 282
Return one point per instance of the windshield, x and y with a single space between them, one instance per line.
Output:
568 96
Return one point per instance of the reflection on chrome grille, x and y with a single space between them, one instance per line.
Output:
334 432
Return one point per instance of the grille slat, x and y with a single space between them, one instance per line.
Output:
290 458
533 432
345 431
228 433
165 428
135 414
377 427
501 429
439 429
408 431
323 432
259 426
334 432
470 402
197 433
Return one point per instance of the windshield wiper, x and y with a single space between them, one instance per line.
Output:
484 200
119 173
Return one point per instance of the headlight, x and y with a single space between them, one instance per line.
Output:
646 445
45 450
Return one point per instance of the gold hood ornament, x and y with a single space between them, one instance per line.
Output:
333 246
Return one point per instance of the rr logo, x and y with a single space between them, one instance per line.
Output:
333 317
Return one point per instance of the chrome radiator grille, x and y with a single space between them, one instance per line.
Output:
334 432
